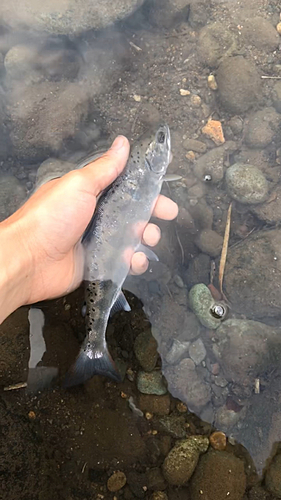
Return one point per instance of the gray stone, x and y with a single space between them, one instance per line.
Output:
215 42
151 383
246 184
225 419
201 301
273 477
181 461
12 195
178 350
219 475
270 212
197 351
210 242
145 348
259 33
65 16
174 425
262 127
202 214
252 275
239 84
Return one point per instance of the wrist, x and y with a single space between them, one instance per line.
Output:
15 268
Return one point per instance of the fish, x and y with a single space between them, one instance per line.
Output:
113 235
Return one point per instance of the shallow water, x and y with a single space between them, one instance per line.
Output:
68 87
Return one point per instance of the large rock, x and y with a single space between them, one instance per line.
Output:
252 275
246 184
65 16
215 41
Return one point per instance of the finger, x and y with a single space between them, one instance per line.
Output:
151 235
165 208
102 172
139 263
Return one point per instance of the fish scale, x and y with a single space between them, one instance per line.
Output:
109 242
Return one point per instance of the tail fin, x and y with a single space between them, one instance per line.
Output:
86 367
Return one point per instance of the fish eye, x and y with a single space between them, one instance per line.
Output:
161 137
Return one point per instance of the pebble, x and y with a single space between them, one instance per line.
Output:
212 83
262 127
159 405
246 184
178 281
159 495
276 96
116 481
201 301
194 145
196 100
273 477
190 156
181 461
210 242
151 383
213 130
236 124
197 351
173 425
178 350
225 418
278 27
145 348
184 92
218 476
239 84
181 407
218 440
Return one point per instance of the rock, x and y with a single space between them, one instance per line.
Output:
159 495
197 351
151 383
159 405
14 348
213 130
58 62
226 419
218 440
155 479
180 463
138 483
215 42
219 475
212 163
174 425
178 350
262 127
116 481
259 33
276 96
198 13
52 168
44 115
273 477
258 493
12 195
194 145
145 348
236 125
210 242
239 84
246 184
270 212
202 214
197 191
187 383
198 270
245 349
20 63
65 17
201 302
251 280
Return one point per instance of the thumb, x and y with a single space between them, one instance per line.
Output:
102 172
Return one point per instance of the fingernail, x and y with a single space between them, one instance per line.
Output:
118 143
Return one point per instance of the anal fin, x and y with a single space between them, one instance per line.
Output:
121 304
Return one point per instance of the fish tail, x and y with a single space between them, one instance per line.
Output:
91 362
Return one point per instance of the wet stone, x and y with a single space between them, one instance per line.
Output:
145 348
246 184
159 495
160 405
174 425
151 383
180 463
239 84
210 242
138 483
262 127
218 440
260 33
273 477
219 475
155 480
258 493
197 351
214 42
202 215
198 270
116 481
194 145
201 302
178 350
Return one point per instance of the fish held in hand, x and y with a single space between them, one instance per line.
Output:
112 237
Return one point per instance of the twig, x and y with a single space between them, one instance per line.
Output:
266 77
136 47
20 385
224 247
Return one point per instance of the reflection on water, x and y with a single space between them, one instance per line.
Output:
70 82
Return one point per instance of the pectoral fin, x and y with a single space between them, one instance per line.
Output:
148 252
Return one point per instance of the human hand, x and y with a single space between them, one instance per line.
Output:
47 229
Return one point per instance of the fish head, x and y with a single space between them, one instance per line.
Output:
155 150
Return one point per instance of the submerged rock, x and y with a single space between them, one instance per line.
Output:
219 475
262 127
180 463
215 42
145 348
246 184
151 383
209 242
201 302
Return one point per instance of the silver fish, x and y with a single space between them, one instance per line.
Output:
112 237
